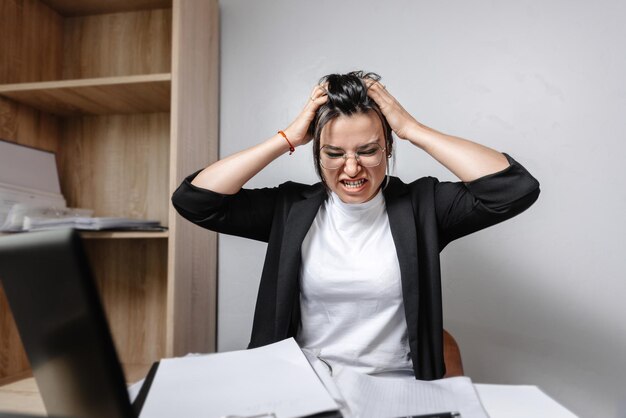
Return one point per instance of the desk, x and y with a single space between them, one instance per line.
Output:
22 395
519 401
500 401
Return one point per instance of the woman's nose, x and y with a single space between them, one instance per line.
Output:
351 166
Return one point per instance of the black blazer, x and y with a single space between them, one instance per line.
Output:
424 217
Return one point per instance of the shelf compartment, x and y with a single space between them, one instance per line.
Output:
95 96
131 276
117 165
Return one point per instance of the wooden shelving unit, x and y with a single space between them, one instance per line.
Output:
126 94
95 96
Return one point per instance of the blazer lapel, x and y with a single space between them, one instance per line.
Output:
402 224
299 220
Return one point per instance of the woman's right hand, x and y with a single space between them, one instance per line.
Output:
228 175
297 132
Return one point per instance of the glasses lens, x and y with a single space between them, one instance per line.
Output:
332 158
370 156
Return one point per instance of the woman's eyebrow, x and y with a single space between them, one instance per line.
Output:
359 147
333 147
368 144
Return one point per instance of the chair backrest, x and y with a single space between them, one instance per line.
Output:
452 356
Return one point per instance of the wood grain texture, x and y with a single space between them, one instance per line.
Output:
93 7
192 281
118 44
123 235
22 397
96 96
117 165
30 42
159 291
131 278
26 126
12 356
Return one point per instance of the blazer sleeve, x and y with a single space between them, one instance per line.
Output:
247 213
463 208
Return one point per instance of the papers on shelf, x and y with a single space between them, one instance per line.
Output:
90 224
28 168
29 184
276 379
31 199
18 202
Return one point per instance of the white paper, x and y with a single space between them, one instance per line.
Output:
89 223
275 378
380 397
519 401
28 167
16 202
323 372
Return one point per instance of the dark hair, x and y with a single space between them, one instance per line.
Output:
347 95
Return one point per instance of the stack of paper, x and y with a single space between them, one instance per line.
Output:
275 379
90 224
28 179
28 168
31 199
278 379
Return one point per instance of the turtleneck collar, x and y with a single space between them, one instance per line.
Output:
377 201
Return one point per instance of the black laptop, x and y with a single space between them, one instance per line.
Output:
57 309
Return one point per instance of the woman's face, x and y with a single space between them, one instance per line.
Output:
352 182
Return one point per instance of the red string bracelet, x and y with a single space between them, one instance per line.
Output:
291 147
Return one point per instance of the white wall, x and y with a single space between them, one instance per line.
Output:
536 300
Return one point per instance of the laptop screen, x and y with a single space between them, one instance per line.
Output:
56 306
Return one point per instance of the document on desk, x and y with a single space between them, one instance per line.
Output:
276 378
375 397
520 401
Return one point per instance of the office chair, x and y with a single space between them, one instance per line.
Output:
451 356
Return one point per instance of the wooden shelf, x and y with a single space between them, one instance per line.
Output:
93 7
22 397
122 234
113 234
95 96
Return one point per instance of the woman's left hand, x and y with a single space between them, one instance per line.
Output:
399 119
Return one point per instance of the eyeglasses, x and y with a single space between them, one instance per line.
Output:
332 158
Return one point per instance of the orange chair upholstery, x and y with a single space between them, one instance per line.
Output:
451 356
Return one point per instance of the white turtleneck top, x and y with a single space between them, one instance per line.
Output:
352 313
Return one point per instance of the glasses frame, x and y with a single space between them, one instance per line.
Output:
356 156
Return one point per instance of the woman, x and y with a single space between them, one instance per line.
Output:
352 264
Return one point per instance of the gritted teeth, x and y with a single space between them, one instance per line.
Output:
353 184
